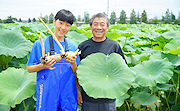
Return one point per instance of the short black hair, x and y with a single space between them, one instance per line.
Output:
65 15
99 15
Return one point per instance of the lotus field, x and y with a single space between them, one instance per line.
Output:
150 81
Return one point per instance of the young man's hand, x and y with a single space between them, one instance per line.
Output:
80 101
49 64
72 59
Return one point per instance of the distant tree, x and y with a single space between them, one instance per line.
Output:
122 18
14 19
167 18
9 20
177 21
79 17
133 17
155 20
34 20
29 20
87 20
162 19
41 16
144 16
45 18
138 17
51 17
172 17
113 18
74 19
1 21
19 20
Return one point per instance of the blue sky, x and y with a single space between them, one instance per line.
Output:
25 9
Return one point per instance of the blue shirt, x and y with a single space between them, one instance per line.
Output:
36 52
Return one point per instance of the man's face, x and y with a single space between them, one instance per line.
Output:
99 27
61 27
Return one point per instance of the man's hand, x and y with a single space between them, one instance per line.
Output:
49 64
80 101
71 60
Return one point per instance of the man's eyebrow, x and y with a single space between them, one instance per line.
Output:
100 22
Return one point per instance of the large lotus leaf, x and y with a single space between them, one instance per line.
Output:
112 35
120 101
16 85
164 87
13 43
145 99
4 107
176 107
104 76
40 26
148 73
173 47
30 103
76 37
174 59
171 34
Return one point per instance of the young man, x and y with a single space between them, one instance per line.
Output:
56 86
99 24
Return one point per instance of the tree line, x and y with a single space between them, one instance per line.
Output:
168 18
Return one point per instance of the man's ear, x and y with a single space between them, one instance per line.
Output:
54 22
107 28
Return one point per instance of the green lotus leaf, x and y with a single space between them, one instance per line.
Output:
148 73
4 107
29 103
171 34
104 76
76 37
174 59
120 101
176 107
145 99
40 26
13 43
16 85
173 47
5 59
164 87
112 35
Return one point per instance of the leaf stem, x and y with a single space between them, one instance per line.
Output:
167 102
127 105
24 105
177 89
152 90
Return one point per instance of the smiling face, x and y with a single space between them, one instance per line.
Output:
99 28
61 28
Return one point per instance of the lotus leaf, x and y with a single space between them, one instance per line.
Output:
13 43
75 37
4 107
120 101
145 99
30 103
171 34
176 107
174 59
173 47
148 73
164 87
104 76
16 85
112 35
